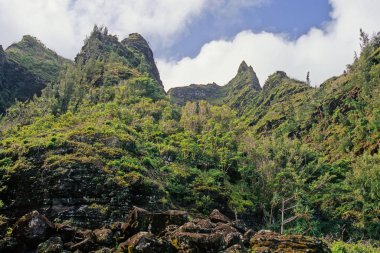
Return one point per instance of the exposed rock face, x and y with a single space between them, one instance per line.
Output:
194 92
267 241
174 233
141 220
80 192
137 42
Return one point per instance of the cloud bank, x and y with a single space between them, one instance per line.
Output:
324 52
63 24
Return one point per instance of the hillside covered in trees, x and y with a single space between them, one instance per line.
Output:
88 140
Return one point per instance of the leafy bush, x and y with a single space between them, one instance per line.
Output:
343 247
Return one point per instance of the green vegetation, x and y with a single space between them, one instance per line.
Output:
342 247
108 119
26 68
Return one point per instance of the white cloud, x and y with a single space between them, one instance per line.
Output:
324 52
63 24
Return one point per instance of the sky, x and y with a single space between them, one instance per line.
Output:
204 41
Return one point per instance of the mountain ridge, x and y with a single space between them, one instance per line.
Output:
244 82
105 137
27 68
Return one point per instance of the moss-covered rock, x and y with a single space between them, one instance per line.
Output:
266 241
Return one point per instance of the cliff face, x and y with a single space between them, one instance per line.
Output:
138 44
194 92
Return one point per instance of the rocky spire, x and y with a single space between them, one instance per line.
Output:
245 76
243 67
137 42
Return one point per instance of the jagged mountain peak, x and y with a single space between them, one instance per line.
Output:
137 42
2 53
136 39
132 53
28 42
30 38
243 67
245 76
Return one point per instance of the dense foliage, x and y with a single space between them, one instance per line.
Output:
26 68
316 147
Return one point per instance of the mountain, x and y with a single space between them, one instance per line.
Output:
244 84
104 159
270 108
118 60
26 68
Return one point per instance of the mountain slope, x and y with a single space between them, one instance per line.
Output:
26 68
117 60
244 84
105 137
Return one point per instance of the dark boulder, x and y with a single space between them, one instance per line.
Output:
198 226
202 235
216 216
229 234
52 245
32 229
103 236
237 248
197 242
66 232
142 220
11 245
144 242
267 241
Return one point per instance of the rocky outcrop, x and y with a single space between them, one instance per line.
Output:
145 242
149 232
77 191
137 42
52 245
32 229
194 92
216 216
267 241
141 220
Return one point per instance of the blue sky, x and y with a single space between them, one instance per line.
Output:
290 17
204 41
